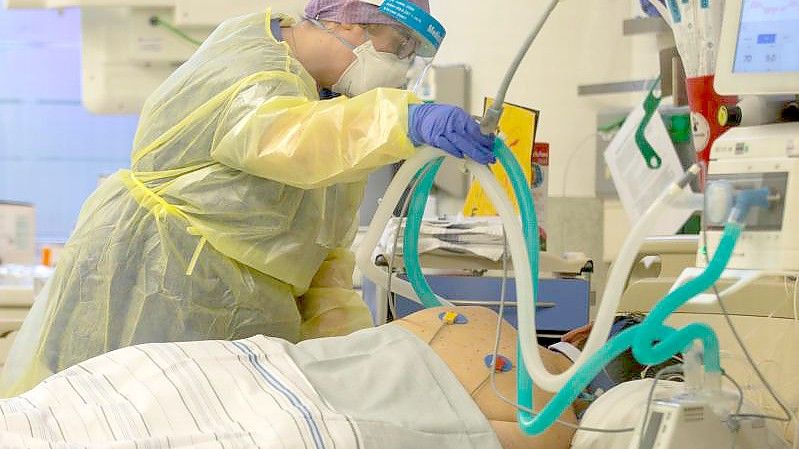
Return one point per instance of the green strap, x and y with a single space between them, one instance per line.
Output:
651 105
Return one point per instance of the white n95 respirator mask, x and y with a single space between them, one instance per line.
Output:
372 69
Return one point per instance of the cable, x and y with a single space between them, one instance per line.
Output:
648 367
740 391
390 297
577 150
157 21
601 132
738 414
498 337
673 369
796 300
753 415
770 315
493 114
606 132
789 415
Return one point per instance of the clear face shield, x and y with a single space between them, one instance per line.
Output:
397 54
420 77
419 36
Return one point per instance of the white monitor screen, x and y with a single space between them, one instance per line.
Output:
768 37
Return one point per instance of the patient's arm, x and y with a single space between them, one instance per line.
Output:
463 348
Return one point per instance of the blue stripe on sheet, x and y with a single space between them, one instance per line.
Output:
292 398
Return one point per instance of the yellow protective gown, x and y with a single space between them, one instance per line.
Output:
234 219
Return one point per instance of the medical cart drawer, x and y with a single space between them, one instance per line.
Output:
563 304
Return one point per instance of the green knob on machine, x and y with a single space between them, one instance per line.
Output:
680 128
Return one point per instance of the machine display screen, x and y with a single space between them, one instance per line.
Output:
768 37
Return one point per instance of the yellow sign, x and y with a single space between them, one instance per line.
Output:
518 126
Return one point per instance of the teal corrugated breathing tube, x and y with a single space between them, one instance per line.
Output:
652 341
529 226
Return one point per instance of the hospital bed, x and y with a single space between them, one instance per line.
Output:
470 280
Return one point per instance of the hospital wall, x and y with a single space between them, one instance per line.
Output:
52 151
582 44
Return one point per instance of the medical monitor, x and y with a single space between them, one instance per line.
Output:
759 48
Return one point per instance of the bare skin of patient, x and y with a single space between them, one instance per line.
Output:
464 347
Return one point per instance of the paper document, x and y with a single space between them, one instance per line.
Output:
637 184
470 237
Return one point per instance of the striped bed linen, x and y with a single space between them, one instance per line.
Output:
256 393
177 395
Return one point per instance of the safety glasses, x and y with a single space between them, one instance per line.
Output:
392 39
386 38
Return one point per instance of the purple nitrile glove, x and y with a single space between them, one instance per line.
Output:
451 129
